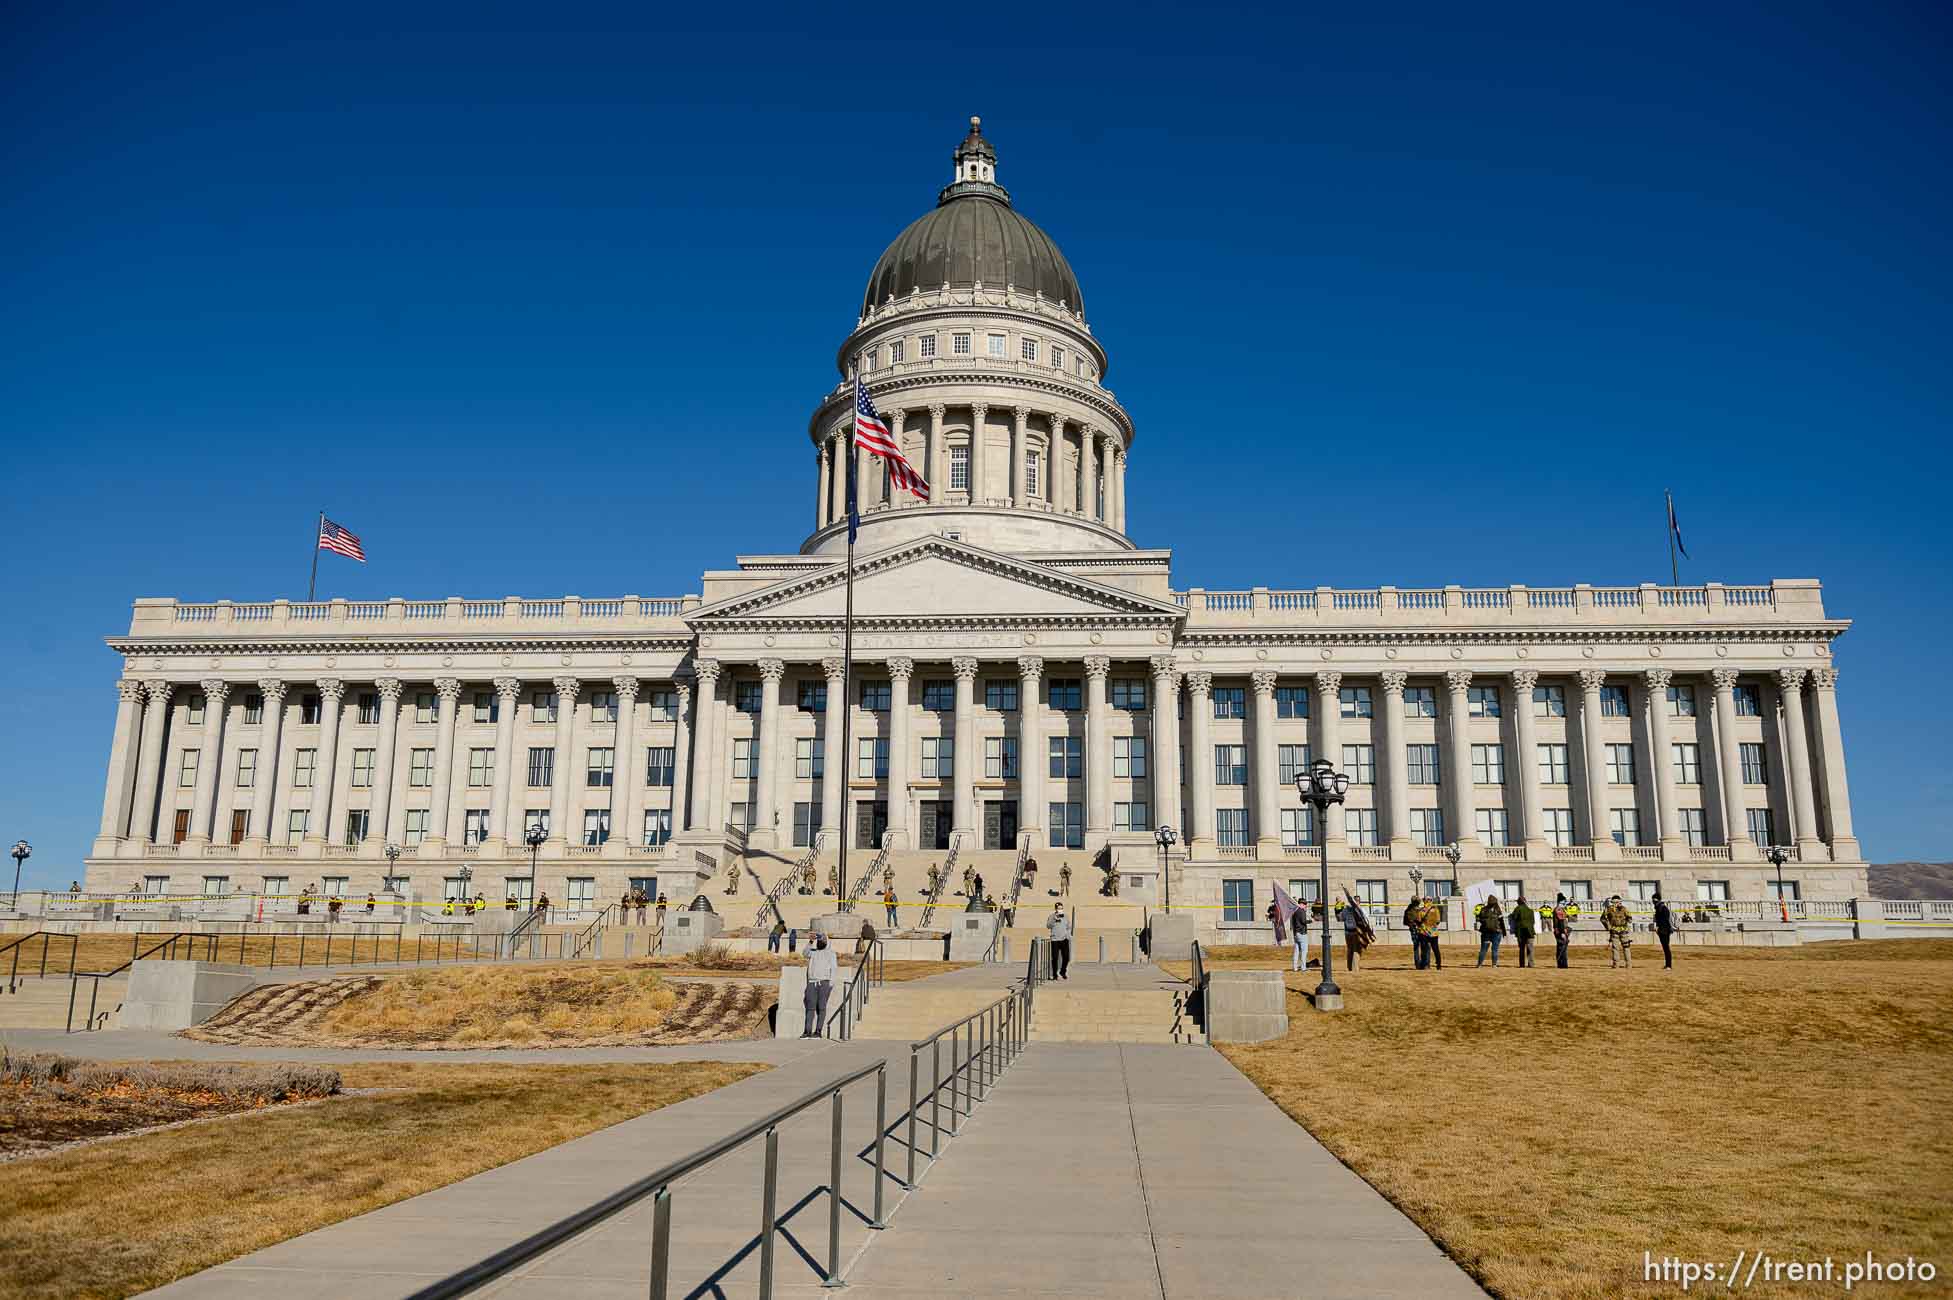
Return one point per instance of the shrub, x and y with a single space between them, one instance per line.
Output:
66 1076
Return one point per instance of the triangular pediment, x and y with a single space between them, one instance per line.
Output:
936 578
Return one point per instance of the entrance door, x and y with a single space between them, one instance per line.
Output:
870 823
1000 824
926 834
938 819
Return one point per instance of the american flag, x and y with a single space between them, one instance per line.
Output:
340 541
871 435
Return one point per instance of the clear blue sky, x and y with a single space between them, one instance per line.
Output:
538 300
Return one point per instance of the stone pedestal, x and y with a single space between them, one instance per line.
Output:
1770 934
1245 1006
685 931
969 935
1173 936
172 995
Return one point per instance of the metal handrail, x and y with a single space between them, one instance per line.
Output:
1197 980
942 878
779 888
46 937
588 936
874 869
1007 914
870 970
530 920
658 1186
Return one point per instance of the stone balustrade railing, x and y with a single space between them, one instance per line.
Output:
1781 601
451 616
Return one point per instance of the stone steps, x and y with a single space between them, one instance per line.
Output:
42 1003
905 1013
1062 1015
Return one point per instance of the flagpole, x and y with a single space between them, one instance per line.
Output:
1668 524
839 764
312 588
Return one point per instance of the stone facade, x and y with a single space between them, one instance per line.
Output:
1021 669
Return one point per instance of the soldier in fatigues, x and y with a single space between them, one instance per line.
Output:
1615 917
1562 931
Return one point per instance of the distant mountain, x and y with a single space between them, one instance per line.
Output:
1911 879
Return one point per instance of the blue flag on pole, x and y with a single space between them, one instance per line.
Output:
1675 526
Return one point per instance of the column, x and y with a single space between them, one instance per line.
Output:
1265 770
766 758
1598 833
1526 736
900 670
1017 453
938 462
1098 753
1054 448
1329 745
149 763
1087 436
567 690
1166 744
325 776
627 773
1458 760
380 815
122 763
500 818
271 769
835 764
1396 766
226 775
1118 484
825 500
708 784
966 759
1830 749
1200 760
449 689
1032 757
681 757
1735 803
1803 792
1108 457
837 472
210 758
978 413
1662 758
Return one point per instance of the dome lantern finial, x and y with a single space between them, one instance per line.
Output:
975 160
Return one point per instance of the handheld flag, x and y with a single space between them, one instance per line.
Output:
872 435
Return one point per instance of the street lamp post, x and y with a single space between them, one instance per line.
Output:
1452 852
1165 838
1779 855
22 851
535 837
1324 787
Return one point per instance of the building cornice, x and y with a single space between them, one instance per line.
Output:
885 391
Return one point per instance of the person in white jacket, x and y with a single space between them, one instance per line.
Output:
822 971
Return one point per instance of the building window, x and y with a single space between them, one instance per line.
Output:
196 705
542 767
247 768
1067 825
1482 701
748 697
994 345
297 822
1129 756
420 768
1000 697
1230 765
806 824
1688 764
1681 701
1556 826
542 706
664 705
1131 817
481 768
1643 891
1000 758
1298 828
898 351
1292 702
743 766
658 764
416 827
240 825
1033 461
304 763
427 707
1614 702
1488 764
938 757
1355 701
1785 892
308 710
1692 825
1360 825
1756 769
603 706
1749 704
1360 761
1129 693
812 697
1493 828
1292 762
959 468
369 708
1620 764
596 826
1238 900
1230 701
1626 825
1427 827
657 827
1064 693
599 771
1231 828
1552 765
1420 702
868 359
356 823
1762 829
1549 701
1028 349
181 831
938 696
872 757
534 817
1578 891
1425 768
362 769
186 772
1057 357
253 710
486 709
926 346
875 696
1066 759
1712 891
809 760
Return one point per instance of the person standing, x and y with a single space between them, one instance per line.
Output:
1060 926
1562 931
822 970
1664 931
1064 879
1430 918
888 901
1522 922
1491 929
1352 918
1412 911
1617 921
776 935
1298 937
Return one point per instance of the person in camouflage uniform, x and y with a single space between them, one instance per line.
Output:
1615 917
1430 916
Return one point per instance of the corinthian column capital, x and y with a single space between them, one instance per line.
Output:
1791 680
1393 683
215 691
965 669
1523 681
390 688
900 669
1097 666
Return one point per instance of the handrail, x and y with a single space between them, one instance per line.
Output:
1197 979
874 868
587 938
658 1185
942 878
1006 1028
773 895
870 970
46 937
530 919
1007 914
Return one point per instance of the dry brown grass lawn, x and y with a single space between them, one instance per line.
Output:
120 1217
101 952
1546 1127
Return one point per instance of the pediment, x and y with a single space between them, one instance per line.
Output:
937 579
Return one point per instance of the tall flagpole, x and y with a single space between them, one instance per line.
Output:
839 764
312 588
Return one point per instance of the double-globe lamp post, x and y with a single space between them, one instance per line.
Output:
1324 787
535 837
1779 855
23 851
1166 839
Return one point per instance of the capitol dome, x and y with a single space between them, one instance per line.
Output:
973 236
